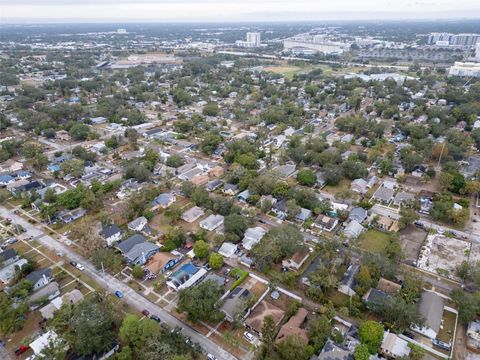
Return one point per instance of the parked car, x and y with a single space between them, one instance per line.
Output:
211 357
68 242
145 312
11 240
248 336
80 267
21 349
119 294
442 344
73 263
155 318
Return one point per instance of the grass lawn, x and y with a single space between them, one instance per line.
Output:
374 241
341 186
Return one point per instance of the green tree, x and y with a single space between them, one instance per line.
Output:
200 302
215 261
407 216
79 131
135 333
235 227
371 334
137 272
319 330
201 249
416 352
362 352
211 109
294 347
306 177
175 161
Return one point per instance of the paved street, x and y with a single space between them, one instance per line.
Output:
111 284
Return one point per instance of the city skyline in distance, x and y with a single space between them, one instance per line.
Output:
64 11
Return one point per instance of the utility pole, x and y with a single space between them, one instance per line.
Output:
441 154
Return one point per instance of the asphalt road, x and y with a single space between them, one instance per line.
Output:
112 284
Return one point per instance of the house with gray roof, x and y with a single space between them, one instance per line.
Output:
46 293
192 214
163 201
138 224
7 273
402 197
39 278
236 304
353 229
253 236
141 253
8 256
383 195
211 222
431 310
126 245
111 234
358 214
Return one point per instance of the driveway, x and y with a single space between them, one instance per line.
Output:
111 284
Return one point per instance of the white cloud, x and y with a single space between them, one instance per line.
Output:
233 10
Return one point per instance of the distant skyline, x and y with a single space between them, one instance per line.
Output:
58 11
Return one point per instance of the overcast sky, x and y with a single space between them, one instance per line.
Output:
232 10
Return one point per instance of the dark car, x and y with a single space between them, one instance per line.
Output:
21 349
73 263
145 312
155 318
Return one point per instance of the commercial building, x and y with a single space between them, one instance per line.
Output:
465 69
317 44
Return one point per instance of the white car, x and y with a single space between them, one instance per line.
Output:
249 336
68 242
80 267
441 231
211 357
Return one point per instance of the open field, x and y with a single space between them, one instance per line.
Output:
374 241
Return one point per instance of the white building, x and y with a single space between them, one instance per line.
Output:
253 40
317 43
465 69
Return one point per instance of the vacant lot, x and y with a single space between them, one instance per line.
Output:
374 241
411 240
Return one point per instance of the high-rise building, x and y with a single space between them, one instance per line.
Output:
446 39
253 40
477 51
253 37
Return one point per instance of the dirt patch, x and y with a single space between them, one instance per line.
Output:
411 241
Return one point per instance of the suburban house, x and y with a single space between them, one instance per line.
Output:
402 198
212 222
236 304
243 196
39 278
297 259
374 297
280 208
348 280
137 250
214 184
383 195
314 265
192 214
161 262
7 273
387 224
359 186
8 256
72 297
303 215
111 234
393 346
254 321
353 229
163 201
358 214
431 310
293 327
227 249
332 351
10 165
68 216
46 293
325 222
187 275
230 189
473 335
252 236
138 224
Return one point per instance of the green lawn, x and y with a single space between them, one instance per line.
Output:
374 241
